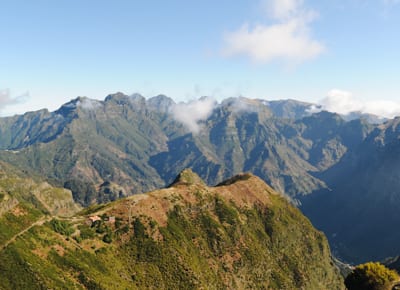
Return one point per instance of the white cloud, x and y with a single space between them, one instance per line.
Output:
193 112
341 102
7 100
89 104
283 9
344 103
288 39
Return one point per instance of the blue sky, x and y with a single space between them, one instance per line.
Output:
52 51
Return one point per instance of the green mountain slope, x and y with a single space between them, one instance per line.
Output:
138 145
238 235
25 202
287 154
96 142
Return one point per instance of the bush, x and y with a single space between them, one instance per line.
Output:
62 227
370 276
139 229
86 232
225 213
107 238
101 228
89 284
118 222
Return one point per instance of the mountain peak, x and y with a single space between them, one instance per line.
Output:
187 177
161 103
117 97
69 109
135 101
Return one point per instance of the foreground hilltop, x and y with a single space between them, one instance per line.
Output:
239 234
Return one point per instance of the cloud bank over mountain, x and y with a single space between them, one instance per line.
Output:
193 112
343 102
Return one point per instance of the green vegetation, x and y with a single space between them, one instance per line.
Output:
62 227
20 218
210 242
81 148
135 144
371 276
225 213
107 238
139 229
193 242
86 232
93 208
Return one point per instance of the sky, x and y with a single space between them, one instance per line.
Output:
343 55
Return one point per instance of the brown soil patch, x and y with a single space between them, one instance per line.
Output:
246 193
59 249
229 259
156 205
18 211
41 252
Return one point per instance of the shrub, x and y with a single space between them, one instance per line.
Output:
86 232
118 222
62 227
100 227
370 276
107 238
225 213
139 229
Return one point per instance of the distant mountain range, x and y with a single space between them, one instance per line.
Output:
139 145
360 211
334 168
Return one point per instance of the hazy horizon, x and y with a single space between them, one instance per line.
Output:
343 54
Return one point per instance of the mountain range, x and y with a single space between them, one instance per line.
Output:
139 145
341 171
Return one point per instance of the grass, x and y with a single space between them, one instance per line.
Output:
220 246
13 222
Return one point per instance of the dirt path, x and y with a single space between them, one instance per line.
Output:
39 222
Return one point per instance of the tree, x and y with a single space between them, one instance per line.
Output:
62 227
371 276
